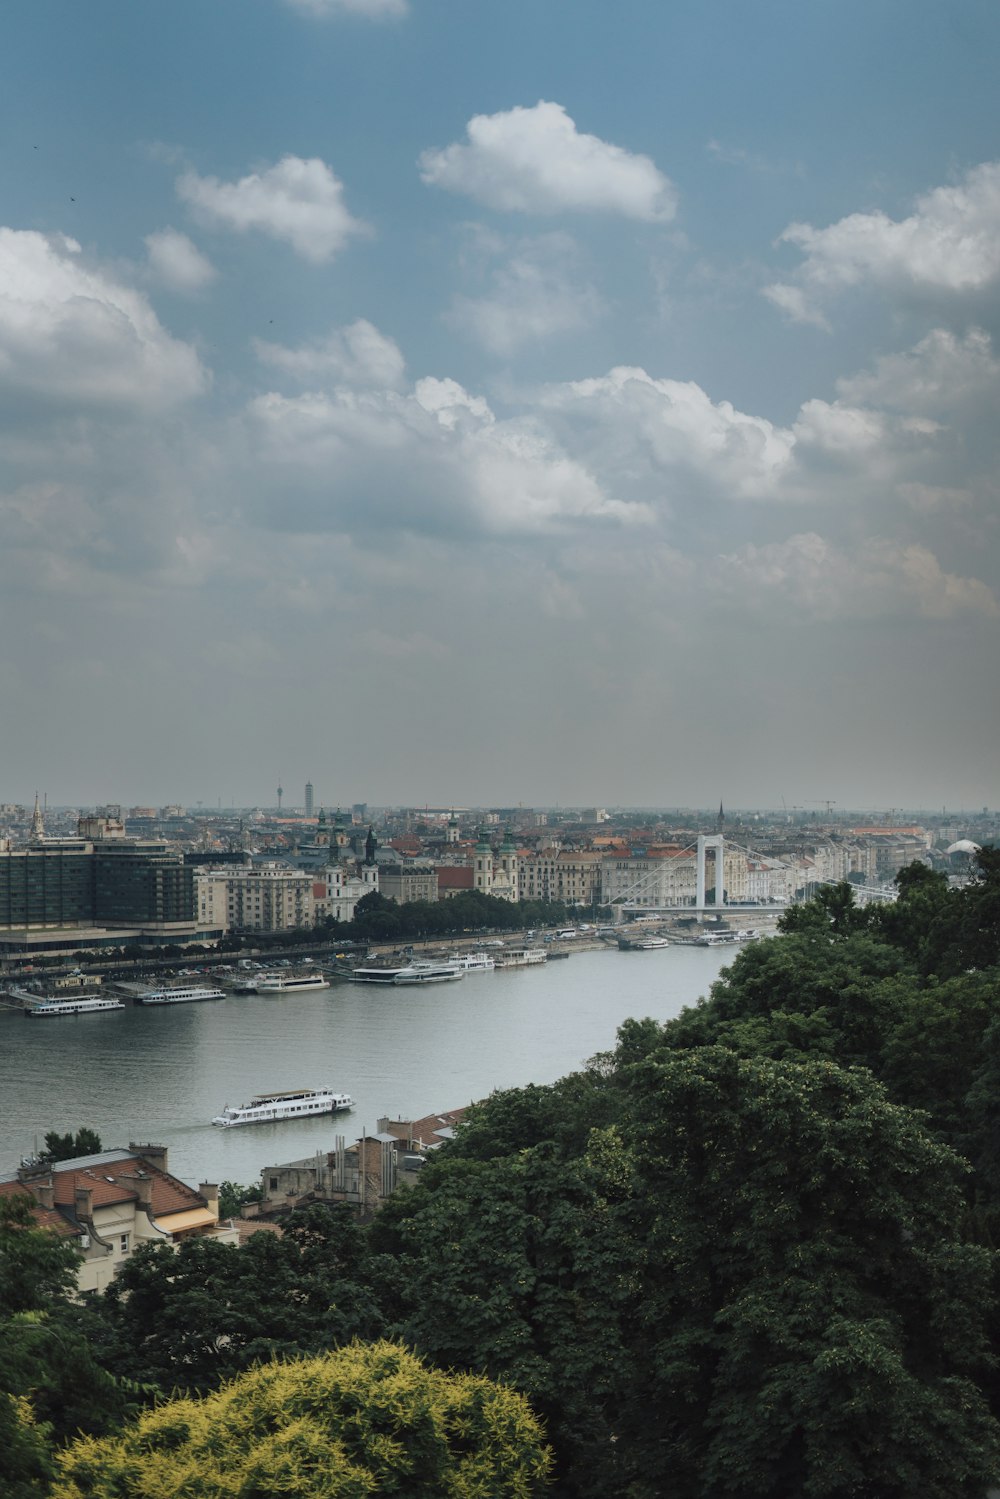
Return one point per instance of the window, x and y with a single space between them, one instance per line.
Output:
124 1244
272 1184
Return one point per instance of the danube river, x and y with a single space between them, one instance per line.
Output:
160 1074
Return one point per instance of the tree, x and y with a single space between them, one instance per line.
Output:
67 1147
232 1196
192 1318
363 1420
25 1460
808 1320
36 1265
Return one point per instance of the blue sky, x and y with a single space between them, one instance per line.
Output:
461 403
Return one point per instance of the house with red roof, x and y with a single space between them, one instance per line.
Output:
112 1202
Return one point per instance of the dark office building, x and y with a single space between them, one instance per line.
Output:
51 886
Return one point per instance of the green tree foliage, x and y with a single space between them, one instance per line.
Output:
377 919
190 1318
363 1420
232 1196
35 1264
25 1457
808 1320
67 1147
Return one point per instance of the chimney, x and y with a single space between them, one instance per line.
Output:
210 1192
83 1202
144 1188
156 1155
45 1193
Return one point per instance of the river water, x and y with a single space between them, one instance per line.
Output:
160 1074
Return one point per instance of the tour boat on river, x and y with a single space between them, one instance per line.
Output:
295 1103
419 972
189 994
83 1004
290 983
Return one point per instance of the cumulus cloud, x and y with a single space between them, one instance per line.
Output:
74 333
950 244
178 263
847 431
671 424
298 201
536 161
435 460
812 575
535 294
370 10
942 372
357 354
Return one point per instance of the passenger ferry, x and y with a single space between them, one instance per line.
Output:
290 983
521 957
296 1103
476 962
413 973
644 943
84 1004
179 996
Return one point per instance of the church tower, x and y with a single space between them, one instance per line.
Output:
37 824
483 864
508 873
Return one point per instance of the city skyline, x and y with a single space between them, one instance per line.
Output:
546 404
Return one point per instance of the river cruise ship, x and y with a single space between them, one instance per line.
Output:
476 962
296 1103
290 983
183 995
412 973
83 1004
521 957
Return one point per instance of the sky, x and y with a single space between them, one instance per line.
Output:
455 403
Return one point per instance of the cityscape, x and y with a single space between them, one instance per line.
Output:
499 803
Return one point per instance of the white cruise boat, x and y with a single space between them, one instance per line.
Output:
521 957
645 943
413 973
290 983
83 1004
476 962
188 994
295 1103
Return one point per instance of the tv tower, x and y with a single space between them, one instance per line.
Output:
281 792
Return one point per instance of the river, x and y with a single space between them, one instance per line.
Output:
160 1074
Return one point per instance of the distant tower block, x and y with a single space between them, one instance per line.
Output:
281 792
309 798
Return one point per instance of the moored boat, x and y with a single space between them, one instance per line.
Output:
411 973
294 1103
521 957
476 962
183 995
290 983
83 1004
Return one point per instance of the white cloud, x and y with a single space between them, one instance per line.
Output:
536 161
357 354
296 200
374 10
177 262
810 574
672 424
847 431
437 461
534 295
942 372
72 332
949 244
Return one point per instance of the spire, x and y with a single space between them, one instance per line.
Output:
721 820
370 846
37 824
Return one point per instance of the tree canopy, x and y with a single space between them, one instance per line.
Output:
363 1420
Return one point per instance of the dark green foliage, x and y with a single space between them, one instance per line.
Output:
67 1147
35 1265
232 1196
377 919
190 1318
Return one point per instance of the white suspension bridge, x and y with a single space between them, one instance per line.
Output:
634 900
